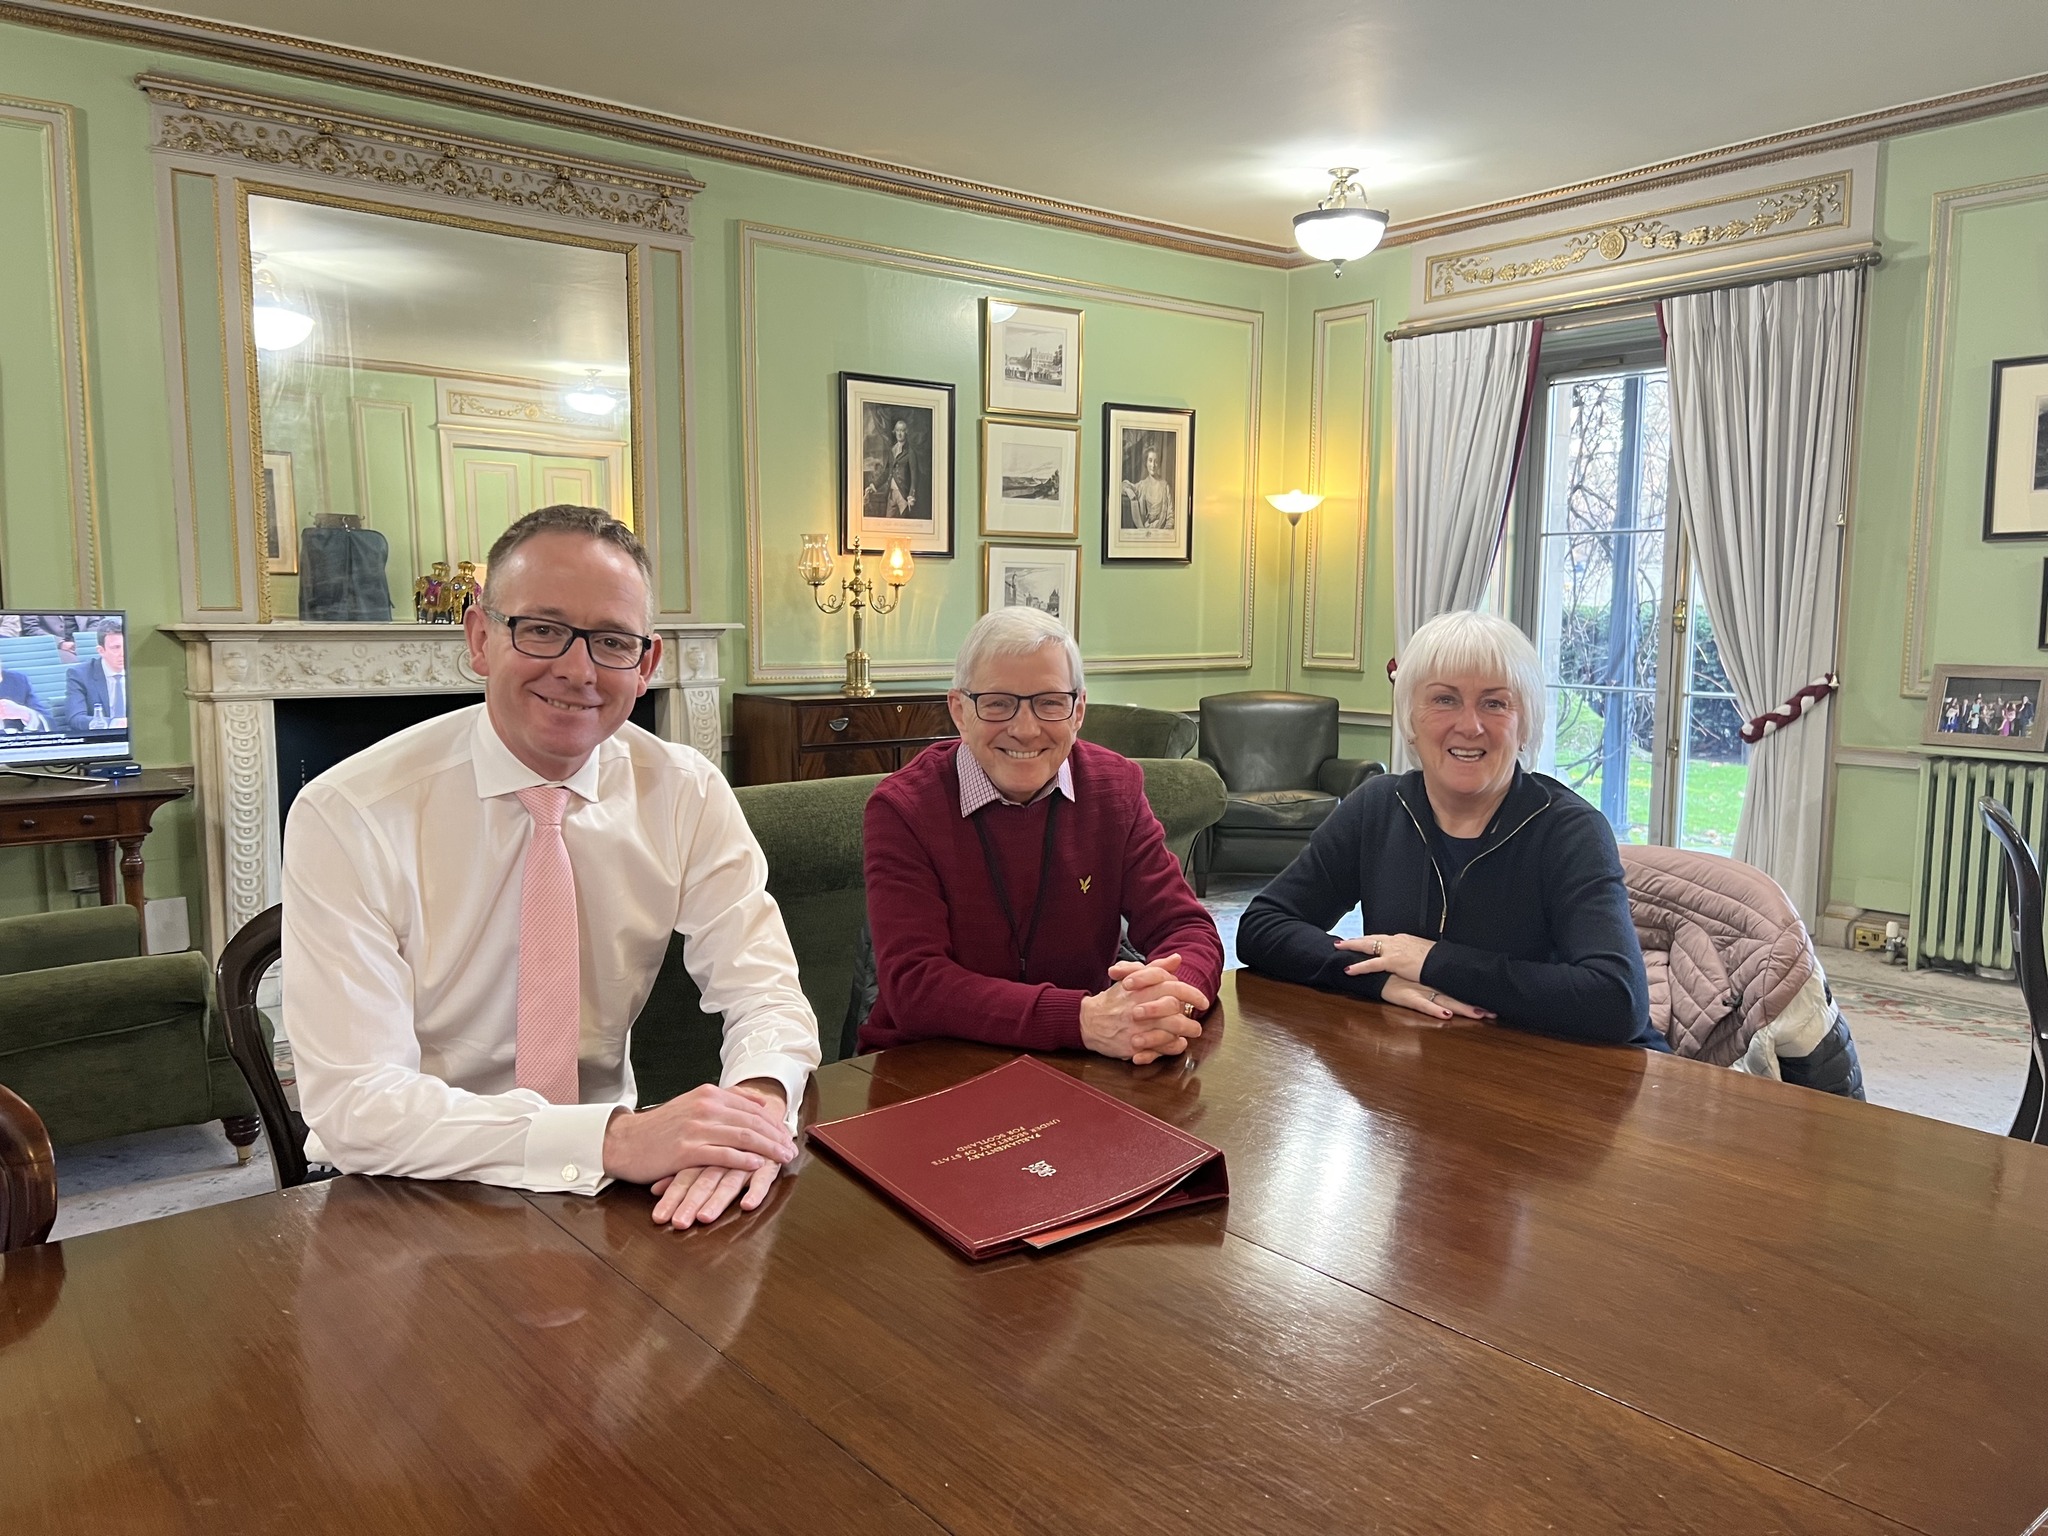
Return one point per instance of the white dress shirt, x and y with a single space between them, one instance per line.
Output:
402 871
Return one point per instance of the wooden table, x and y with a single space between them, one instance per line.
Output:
1469 1281
114 815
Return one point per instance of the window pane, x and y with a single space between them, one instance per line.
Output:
1603 749
1716 761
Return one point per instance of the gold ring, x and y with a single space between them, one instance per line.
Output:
1188 1009
1377 946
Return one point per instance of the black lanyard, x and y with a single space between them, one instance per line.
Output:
995 875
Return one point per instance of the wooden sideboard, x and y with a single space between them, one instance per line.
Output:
776 739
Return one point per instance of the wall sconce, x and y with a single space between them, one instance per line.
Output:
1293 504
859 592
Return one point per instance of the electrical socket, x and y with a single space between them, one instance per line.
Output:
1866 936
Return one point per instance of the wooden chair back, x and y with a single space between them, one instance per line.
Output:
243 960
2023 901
28 1175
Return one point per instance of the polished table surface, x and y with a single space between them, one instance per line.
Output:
1468 1280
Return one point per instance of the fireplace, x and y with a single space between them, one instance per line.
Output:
236 675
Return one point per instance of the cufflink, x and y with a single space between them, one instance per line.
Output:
570 1173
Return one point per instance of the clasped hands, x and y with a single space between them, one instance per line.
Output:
1399 957
1145 1012
702 1148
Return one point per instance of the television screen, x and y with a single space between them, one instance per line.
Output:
63 687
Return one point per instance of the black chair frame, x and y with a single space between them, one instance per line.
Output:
2023 902
243 960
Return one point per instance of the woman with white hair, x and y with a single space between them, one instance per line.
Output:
1488 892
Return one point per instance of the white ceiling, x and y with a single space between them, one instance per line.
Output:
1221 114
442 299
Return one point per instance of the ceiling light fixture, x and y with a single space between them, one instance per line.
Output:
591 398
278 325
1335 231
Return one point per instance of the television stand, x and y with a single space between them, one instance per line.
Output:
61 775
116 816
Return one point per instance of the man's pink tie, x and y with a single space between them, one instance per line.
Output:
549 995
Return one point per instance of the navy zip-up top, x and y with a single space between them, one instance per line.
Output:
1535 928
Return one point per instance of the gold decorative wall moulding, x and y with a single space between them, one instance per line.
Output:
1739 219
276 134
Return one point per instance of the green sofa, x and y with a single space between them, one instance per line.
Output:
811 835
103 1040
1139 732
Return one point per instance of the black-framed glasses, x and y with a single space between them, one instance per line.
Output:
548 638
994 708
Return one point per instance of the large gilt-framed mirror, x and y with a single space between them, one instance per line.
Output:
430 377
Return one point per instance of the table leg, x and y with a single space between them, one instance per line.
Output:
131 871
110 880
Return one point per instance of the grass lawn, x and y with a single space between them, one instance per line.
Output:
1713 791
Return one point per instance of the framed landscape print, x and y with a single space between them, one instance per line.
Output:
2016 476
1030 478
1988 706
1148 483
1037 576
280 516
1032 365
896 464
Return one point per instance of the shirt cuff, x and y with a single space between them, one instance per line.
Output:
792 1075
565 1148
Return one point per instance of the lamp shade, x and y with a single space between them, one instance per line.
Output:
279 328
1339 234
1294 503
591 398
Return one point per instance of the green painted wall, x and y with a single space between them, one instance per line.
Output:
813 312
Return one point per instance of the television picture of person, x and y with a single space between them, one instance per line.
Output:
63 688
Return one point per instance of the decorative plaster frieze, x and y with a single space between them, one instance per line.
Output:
1739 220
245 809
267 670
256 130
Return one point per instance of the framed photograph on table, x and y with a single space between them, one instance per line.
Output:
1030 477
1032 362
1033 576
896 464
2016 475
1148 483
1987 706
280 516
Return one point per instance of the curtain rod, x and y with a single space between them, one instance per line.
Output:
1825 261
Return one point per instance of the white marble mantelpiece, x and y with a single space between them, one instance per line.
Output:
235 673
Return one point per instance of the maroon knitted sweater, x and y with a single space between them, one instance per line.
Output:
945 956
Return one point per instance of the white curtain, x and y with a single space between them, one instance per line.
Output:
1461 402
1762 384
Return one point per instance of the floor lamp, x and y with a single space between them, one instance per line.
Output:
1293 504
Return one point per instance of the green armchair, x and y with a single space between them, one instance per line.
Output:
1138 732
104 1040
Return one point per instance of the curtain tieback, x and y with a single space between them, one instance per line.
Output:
1776 719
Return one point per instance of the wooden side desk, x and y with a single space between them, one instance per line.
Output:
114 815
776 738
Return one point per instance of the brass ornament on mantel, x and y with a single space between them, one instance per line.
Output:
1821 203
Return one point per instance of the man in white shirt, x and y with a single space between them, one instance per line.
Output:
475 910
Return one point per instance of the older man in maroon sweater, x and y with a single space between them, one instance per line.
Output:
1001 870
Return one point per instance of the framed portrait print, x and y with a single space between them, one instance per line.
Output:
1032 362
1988 706
2016 476
280 516
1030 480
1038 576
1148 483
896 464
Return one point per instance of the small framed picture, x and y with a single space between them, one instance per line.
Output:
1148 483
1989 706
2041 638
1033 576
2016 476
1029 480
896 463
280 516
1033 361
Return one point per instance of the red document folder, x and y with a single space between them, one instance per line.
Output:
1024 1156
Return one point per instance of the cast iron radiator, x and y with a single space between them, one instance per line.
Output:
1959 914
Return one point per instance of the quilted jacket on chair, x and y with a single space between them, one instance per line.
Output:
1733 976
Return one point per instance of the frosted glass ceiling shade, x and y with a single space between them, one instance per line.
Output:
278 328
1339 234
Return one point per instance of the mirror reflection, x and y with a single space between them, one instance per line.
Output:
421 385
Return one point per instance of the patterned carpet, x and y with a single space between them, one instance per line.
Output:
1948 1047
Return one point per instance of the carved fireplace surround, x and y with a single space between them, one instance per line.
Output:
234 673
